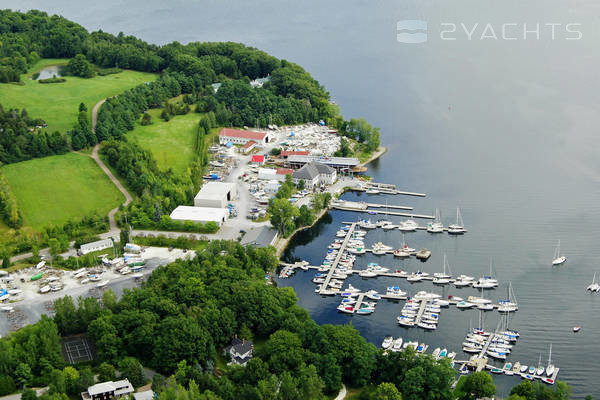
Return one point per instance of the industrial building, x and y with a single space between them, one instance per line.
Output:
96 246
216 194
236 136
339 163
200 214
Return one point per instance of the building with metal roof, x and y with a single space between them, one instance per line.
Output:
339 163
236 136
200 214
216 194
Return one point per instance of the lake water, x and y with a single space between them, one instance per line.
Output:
503 128
49 72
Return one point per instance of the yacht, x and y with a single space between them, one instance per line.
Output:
558 259
458 228
405 321
356 250
387 342
436 225
397 346
367 224
383 247
382 222
373 295
408 226
367 273
346 309
436 352
389 226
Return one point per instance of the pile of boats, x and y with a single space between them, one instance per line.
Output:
544 373
349 301
395 345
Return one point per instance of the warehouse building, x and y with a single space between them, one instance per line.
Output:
216 194
96 246
339 163
236 136
277 174
200 214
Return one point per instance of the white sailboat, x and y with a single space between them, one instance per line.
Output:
550 367
442 278
510 303
558 259
458 228
436 226
594 287
540 369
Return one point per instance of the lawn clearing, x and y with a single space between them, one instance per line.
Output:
52 190
57 103
171 143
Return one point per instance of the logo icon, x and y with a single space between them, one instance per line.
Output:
412 31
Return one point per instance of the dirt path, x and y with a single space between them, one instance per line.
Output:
94 155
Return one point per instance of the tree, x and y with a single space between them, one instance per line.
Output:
386 391
282 215
80 66
23 375
82 107
124 237
5 262
86 379
29 394
146 119
132 369
301 184
477 385
7 385
54 246
71 377
106 372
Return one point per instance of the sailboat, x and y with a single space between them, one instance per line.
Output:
558 259
550 367
458 228
436 226
594 287
442 278
540 369
404 251
510 303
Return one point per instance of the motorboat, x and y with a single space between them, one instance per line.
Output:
382 222
440 281
441 303
365 310
372 191
348 300
497 355
45 289
548 381
318 289
451 355
397 345
346 309
421 348
341 234
550 367
516 367
401 253
531 370
414 345
558 259
523 368
414 278
367 274
405 321
376 267
464 305
471 349
496 370
387 342
576 329
436 352
352 289
373 295
7 308
485 307
357 250
423 295
408 226
84 281
527 376
458 228
427 325
102 284
443 353
478 300
318 280
389 226
367 224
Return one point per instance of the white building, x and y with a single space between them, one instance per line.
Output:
200 214
108 390
236 136
270 174
96 246
215 194
272 186
314 173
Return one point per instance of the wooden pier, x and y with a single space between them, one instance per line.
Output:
379 212
422 307
385 188
377 205
325 285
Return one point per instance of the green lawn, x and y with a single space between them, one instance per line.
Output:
52 190
57 103
171 143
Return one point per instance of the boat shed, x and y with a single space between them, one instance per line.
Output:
339 163
96 246
259 237
216 194
237 136
200 214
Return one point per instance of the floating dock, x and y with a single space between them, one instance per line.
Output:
342 249
384 188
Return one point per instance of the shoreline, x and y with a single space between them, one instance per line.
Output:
282 243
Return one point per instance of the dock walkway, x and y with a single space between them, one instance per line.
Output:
341 251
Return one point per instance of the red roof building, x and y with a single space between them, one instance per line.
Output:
237 136
248 146
259 159
286 153
284 171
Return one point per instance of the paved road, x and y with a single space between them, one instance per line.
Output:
342 394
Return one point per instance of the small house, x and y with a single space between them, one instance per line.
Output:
108 390
240 351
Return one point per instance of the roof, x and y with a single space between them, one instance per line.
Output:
259 237
98 243
123 386
215 190
331 161
146 395
284 171
323 169
249 144
188 213
242 134
308 172
286 153
258 158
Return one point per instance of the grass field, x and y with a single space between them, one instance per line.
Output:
57 103
171 143
52 190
